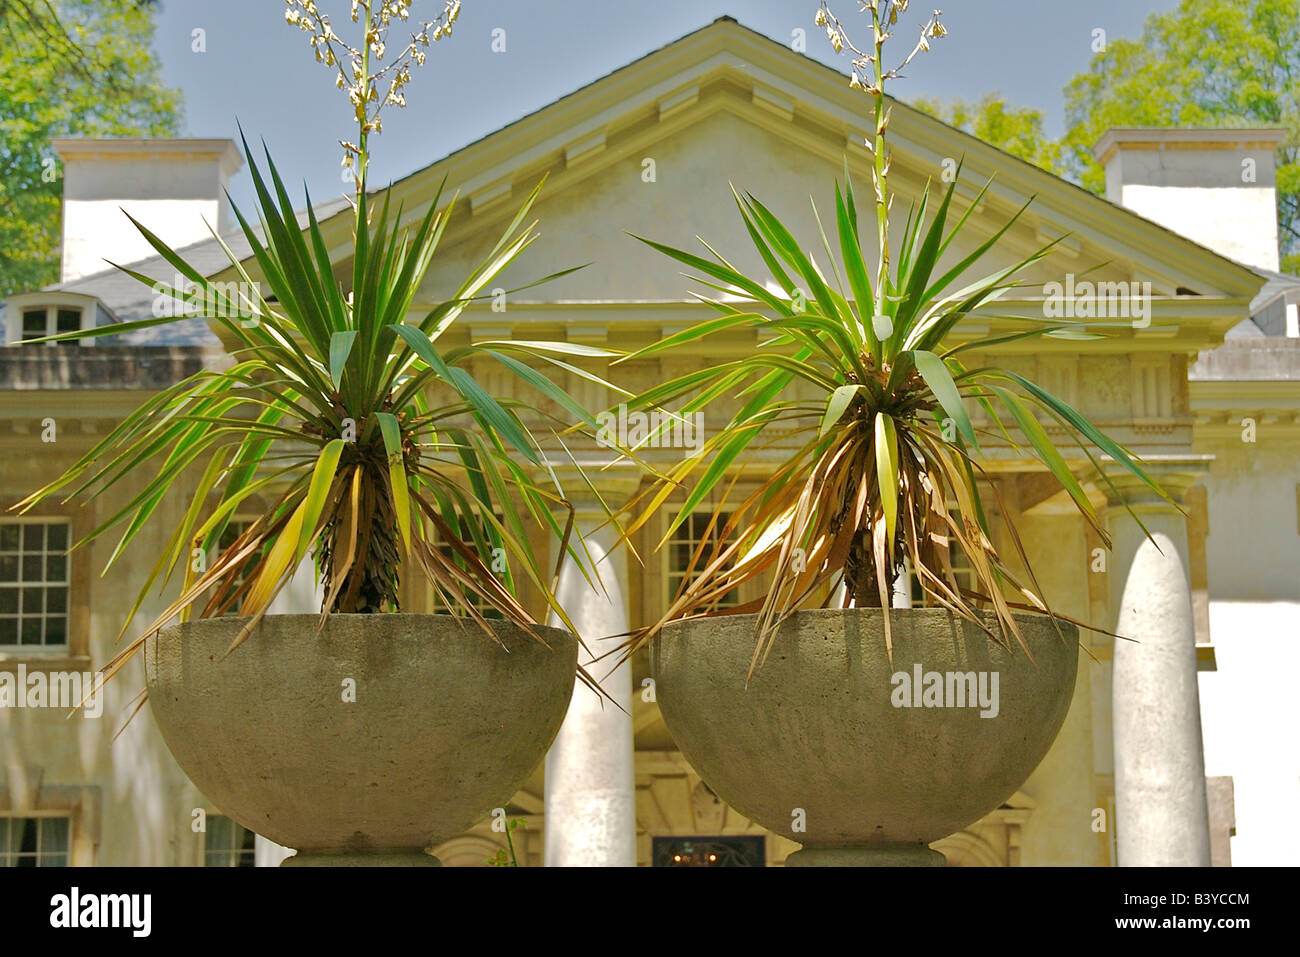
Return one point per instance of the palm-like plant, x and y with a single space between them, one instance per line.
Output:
885 466
371 440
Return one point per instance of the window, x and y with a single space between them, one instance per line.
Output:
45 321
34 841
480 604
681 548
227 844
34 584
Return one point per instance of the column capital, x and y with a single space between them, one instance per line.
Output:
1173 473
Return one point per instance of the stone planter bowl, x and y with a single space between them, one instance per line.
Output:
446 725
817 730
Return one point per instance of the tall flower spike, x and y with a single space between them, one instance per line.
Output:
357 79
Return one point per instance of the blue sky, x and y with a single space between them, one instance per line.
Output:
260 71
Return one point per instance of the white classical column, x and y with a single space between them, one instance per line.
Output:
900 598
590 783
1162 816
302 596
902 595
267 853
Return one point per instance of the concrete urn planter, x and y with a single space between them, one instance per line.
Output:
368 743
831 748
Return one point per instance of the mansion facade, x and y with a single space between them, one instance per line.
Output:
1173 751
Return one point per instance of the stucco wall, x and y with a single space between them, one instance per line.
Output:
1249 709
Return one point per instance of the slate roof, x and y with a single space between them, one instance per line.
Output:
130 300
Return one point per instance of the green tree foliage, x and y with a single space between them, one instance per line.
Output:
1208 63
67 68
1215 63
1016 129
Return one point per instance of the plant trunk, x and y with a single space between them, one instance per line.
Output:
371 584
860 573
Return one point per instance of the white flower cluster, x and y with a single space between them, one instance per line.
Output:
361 70
884 15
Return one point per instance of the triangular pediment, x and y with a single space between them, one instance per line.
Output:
651 148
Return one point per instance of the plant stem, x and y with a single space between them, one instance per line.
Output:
882 165
363 152
514 861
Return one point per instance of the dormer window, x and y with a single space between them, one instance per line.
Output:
39 315
43 321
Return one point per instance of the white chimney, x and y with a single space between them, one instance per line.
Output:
174 187
1216 187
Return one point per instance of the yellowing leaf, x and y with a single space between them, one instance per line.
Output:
887 473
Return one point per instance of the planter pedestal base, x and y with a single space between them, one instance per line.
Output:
393 858
878 855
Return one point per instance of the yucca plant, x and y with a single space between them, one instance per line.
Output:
886 445
371 439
